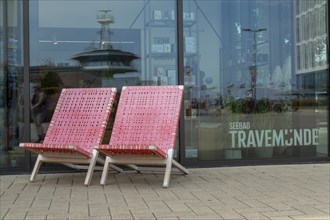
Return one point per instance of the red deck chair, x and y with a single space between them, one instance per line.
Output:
145 129
78 123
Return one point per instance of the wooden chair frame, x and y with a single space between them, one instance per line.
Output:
144 130
77 125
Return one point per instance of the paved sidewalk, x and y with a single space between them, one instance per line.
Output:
250 192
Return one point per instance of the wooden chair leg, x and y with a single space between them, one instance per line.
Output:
180 167
168 168
105 171
91 167
36 167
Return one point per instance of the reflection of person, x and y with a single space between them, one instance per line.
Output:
20 105
39 109
189 77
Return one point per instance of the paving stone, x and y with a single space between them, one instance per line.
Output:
157 205
56 216
252 192
254 215
8 198
283 213
203 210
120 215
58 205
98 210
78 208
24 201
233 202
3 212
144 216
310 210
201 217
137 202
311 216
168 218
228 213
254 210
37 212
177 206
36 217
281 218
96 197
40 203
324 207
173 214
14 214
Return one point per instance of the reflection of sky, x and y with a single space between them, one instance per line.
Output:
82 14
60 44
219 25
64 28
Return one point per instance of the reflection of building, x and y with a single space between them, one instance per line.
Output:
116 61
208 36
311 45
266 51
105 58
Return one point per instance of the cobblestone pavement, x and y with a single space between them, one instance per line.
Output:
278 192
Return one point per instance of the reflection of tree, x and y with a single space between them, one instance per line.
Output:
51 82
282 76
320 55
48 61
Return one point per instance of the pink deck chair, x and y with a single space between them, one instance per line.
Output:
78 123
144 130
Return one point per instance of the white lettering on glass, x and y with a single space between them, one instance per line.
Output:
243 137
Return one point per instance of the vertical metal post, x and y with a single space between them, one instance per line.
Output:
254 71
328 52
180 67
26 79
5 80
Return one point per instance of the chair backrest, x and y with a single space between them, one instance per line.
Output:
147 115
80 117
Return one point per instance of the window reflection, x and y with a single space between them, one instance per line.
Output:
255 72
11 85
258 80
113 45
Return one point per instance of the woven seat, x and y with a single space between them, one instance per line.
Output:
145 128
77 125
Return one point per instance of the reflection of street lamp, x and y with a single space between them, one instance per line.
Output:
253 69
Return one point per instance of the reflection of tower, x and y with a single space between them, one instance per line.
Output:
105 19
106 59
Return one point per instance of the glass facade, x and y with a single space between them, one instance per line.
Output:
256 73
253 87
11 84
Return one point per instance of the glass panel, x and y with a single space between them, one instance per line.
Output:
252 88
11 105
2 77
99 44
